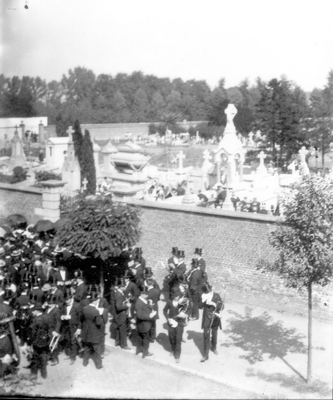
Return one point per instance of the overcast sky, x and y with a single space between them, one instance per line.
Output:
190 39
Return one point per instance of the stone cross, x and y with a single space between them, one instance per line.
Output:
180 156
84 184
303 152
261 157
230 112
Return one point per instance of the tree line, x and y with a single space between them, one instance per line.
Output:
287 115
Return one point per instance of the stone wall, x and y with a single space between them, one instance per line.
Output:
232 244
16 199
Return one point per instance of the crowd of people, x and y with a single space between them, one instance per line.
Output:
47 309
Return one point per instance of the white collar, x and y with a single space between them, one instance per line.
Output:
144 300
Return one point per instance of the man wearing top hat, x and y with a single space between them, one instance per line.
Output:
53 314
71 328
81 290
138 273
201 261
121 314
138 256
145 317
153 299
131 292
212 305
173 260
195 281
36 293
179 271
175 316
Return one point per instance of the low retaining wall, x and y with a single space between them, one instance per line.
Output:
17 199
232 244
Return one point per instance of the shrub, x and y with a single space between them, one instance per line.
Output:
46 176
19 175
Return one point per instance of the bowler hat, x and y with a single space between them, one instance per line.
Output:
198 251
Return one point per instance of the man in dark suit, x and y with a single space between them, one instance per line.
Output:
80 290
179 270
70 328
53 314
212 305
122 305
153 298
145 316
92 333
201 261
195 280
38 337
175 318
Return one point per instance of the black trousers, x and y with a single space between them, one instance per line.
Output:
195 297
207 333
143 342
69 342
39 359
175 338
121 334
92 350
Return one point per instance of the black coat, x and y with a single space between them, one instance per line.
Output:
208 312
92 325
38 333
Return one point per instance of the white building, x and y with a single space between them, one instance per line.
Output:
55 149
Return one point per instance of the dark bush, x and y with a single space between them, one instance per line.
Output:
46 176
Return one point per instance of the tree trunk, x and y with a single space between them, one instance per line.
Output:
309 374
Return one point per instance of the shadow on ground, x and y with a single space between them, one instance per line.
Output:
317 387
197 339
260 335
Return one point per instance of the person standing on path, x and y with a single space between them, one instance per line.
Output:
145 317
175 318
212 305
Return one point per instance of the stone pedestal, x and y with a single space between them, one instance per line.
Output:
51 200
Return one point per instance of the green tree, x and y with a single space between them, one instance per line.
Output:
97 227
278 115
304 240
88 170
78 141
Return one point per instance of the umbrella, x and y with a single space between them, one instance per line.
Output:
44 225
17 221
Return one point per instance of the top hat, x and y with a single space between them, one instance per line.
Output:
195 262
144 289
148 272
138 250
198 251
174 251
181 254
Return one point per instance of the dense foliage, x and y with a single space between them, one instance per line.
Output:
287 115
99 228
46 175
